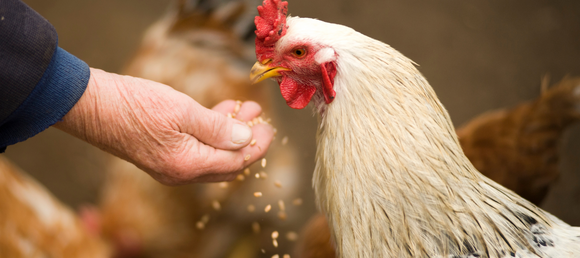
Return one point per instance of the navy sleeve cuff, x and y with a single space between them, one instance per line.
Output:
61 86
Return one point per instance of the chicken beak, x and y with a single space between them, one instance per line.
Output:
261 71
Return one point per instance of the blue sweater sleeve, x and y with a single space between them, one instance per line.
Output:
39 82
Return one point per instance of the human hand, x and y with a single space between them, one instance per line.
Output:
165 132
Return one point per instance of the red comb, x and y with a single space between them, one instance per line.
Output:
271 26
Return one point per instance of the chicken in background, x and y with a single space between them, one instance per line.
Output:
516 147
33 223
204 49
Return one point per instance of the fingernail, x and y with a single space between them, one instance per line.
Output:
241 133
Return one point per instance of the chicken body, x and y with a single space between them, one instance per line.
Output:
35 224
390 174
515 147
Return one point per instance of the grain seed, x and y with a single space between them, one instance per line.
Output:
256 227
247 171
263 162
253 142
275 243
238 106
263 251
199 225
216 205
286 256
258 194
250 123
281 205
230 115
284 140
268 208
247 157
275 235
205 218
275 256
263 175
292 236
257 175
278 184
240 177
297 202
223 184
251 208
282 215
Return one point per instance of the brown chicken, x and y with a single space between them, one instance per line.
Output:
516 147
199 48
33 223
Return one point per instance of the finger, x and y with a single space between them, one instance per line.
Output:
215 165
249 110
225 107
217 130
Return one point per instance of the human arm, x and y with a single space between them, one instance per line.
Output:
165 132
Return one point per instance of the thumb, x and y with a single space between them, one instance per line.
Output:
218 130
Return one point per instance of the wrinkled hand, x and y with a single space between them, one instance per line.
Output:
165 132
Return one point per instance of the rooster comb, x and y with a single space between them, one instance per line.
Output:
270 26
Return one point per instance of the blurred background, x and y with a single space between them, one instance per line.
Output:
478 55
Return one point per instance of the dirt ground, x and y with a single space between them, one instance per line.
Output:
478 55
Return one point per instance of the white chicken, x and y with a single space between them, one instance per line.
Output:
390 174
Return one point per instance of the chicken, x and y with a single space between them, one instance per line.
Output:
34 224
198 48
504 145
390 174
518 147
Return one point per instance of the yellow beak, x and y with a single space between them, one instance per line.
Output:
262 71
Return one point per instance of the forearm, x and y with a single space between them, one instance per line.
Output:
39 82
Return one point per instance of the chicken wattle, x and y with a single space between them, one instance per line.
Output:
390 174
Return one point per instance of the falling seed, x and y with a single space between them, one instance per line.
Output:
281 205
247 157
275 235
275 256
263 175
247 171
285 140
240 177
250 124
297 202
205 218
256 227
216 205
263 251
258 194
278 184
253 142
223 184
264 163
268 208
282 215
275 243
199 225
275 131
257 175
286 256
251 208
292 236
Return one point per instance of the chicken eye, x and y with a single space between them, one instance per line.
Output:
299 52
